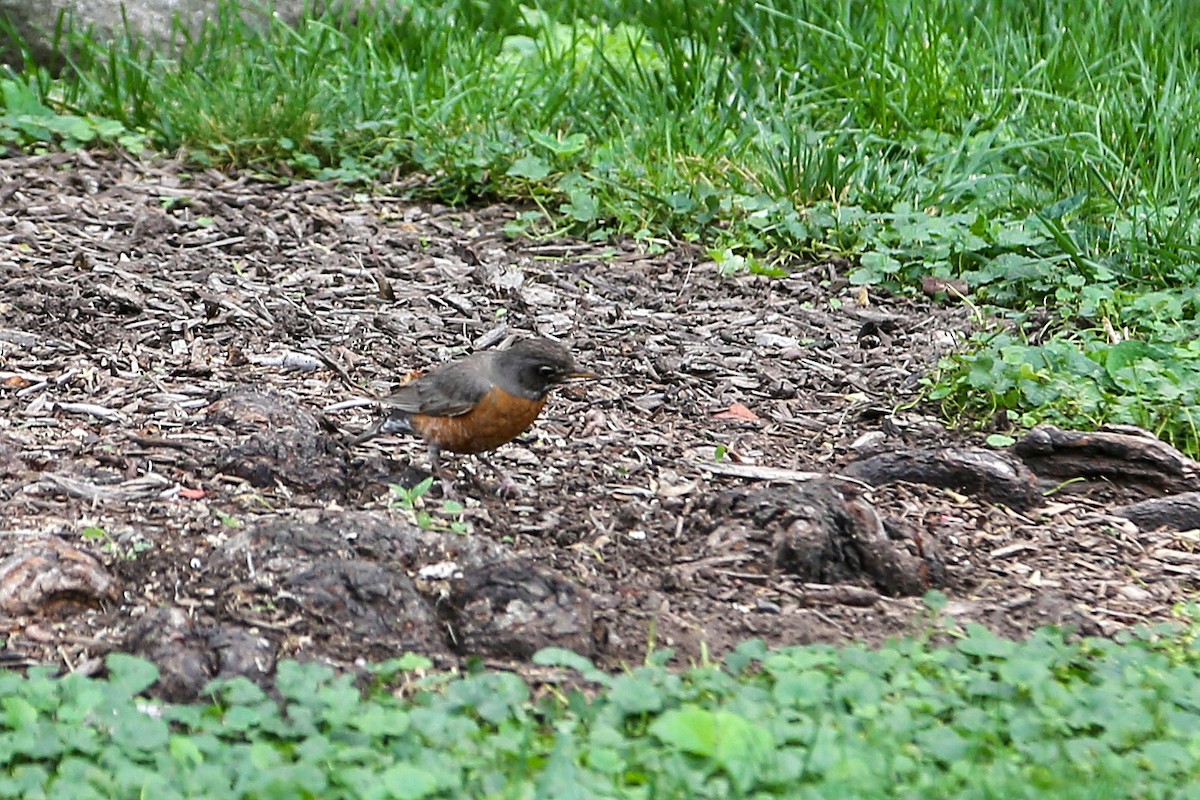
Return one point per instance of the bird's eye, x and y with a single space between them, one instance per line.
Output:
547 371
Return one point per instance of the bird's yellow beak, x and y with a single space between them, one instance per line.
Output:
583 376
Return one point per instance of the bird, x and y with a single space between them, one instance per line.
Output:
478 403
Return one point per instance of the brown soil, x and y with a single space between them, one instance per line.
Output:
180 355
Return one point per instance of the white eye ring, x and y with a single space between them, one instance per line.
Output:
546 370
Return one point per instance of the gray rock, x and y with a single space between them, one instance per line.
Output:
149 20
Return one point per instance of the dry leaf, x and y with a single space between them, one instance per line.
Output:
737 411
955 289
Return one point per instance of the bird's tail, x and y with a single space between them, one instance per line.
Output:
395 423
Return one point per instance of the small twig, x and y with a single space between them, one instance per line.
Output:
751 577
757 473
138 488
337 369
830 594
288 360
92 410
155 441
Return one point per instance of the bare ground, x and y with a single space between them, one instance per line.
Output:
180 354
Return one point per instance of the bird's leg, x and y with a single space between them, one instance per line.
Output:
435 464
507 487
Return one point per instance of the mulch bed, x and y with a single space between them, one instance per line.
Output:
181 354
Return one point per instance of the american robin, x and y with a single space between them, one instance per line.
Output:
478 403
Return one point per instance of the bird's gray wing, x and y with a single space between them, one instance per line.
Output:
448 391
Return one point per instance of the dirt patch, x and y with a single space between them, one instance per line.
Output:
180 354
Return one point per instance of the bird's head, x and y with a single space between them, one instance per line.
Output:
538 365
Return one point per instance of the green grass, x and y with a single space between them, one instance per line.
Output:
979 718
1045 151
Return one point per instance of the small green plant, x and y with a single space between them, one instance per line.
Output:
27 121
936 624
730 263
228 520
412 499
456 524
95 535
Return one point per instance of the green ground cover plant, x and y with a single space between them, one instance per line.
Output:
1045 152
977 717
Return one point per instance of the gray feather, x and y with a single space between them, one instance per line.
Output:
448 391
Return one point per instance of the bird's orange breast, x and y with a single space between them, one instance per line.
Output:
498 418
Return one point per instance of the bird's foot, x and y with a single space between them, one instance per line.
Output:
449 491
509 489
